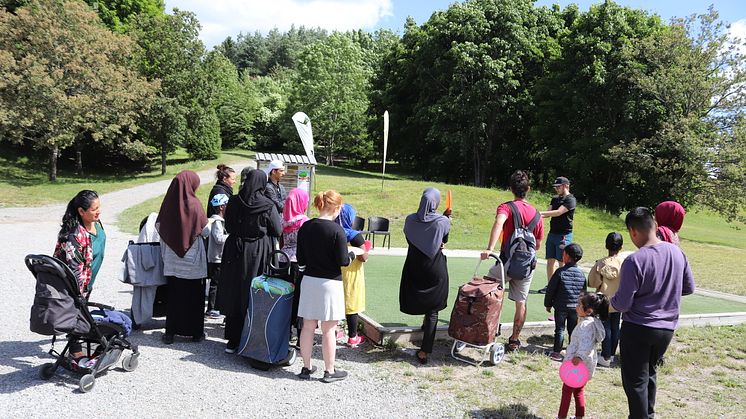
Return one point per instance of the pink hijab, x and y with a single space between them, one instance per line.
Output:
670 217
294 211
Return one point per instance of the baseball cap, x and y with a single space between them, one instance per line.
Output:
219 199
561 181
274 164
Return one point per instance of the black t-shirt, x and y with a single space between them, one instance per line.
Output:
563 223
322 249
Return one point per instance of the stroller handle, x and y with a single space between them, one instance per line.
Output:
499 262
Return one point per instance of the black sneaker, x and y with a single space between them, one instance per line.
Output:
542 291
305 373
338 375
167 339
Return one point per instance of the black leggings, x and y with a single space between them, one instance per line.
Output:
352 320
429 327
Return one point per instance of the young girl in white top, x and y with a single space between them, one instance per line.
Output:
588 333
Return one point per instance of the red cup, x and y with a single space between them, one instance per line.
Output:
367 246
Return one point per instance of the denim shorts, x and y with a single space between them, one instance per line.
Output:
556 243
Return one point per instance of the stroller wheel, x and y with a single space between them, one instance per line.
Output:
129 363
47 371
292 356
87 382
497 353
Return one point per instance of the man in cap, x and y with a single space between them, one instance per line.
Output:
561 210
274 190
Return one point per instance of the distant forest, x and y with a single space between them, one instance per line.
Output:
632 109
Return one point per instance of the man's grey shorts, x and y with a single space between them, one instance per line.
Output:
519 288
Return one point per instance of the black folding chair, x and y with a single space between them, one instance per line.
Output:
379 226
359 224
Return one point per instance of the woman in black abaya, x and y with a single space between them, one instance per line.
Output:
252 221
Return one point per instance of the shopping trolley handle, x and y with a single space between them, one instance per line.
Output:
496 256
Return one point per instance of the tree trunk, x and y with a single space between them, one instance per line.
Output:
477 166
53 152
163 157
78 159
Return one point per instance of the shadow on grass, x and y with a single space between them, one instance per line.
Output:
340 171
511 411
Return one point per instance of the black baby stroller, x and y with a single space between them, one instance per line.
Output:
60 308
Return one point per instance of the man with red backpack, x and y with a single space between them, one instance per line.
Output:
519 240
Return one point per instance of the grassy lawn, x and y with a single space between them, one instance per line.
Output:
698 377
24 182
383 274
716 249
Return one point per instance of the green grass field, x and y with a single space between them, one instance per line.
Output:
703 376
24 182
383 274
715 249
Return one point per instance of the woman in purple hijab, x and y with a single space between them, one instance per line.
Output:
424 279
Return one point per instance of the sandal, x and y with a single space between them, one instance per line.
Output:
422 360
513 345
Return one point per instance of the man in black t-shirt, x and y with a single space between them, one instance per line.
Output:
561 210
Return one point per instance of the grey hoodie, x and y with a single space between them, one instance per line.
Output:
585 338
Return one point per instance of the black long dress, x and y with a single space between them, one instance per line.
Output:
245 256
424 282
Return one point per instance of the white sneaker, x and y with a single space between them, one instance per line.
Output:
603 362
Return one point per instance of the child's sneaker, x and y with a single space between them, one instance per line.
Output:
603 362
340 334
337 375
354 342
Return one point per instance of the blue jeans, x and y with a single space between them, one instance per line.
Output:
561 317
611 341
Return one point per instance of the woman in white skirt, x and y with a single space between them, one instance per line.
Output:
322 250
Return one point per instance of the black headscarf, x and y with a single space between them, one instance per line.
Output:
251 193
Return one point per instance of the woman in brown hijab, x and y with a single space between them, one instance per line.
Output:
180 223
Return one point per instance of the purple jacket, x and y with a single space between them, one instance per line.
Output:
653 279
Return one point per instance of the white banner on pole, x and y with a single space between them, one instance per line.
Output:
385 144
303 125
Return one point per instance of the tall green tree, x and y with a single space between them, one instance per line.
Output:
696 76
233 99
66 78
118 14
587 104
271 131
331 87
458 88
172 54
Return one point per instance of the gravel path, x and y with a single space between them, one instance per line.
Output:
181 380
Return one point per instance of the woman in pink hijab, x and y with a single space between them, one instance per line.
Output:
293 217
670 216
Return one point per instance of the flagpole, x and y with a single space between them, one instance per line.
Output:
385 141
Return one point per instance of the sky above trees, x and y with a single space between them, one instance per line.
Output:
223 18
